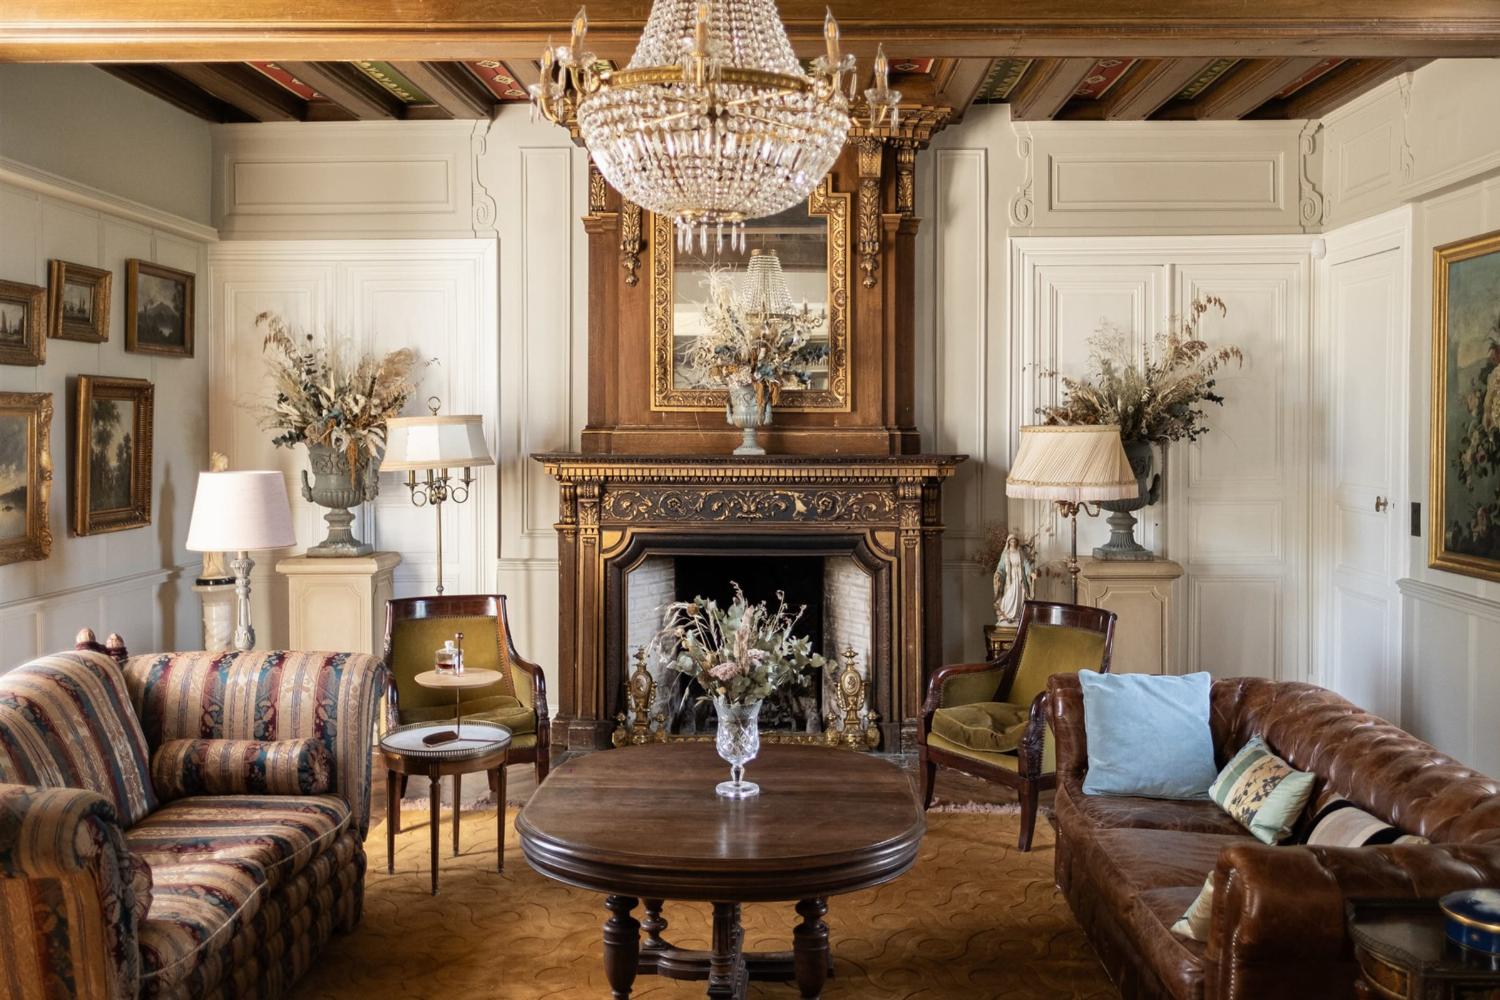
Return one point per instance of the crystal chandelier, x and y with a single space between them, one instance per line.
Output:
714 120
764 300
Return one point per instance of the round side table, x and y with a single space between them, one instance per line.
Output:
469 680
483 746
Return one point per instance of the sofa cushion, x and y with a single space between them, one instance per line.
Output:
277 834
1148 735
66 721
198 905
180 768
1114 812
991 726
1262 791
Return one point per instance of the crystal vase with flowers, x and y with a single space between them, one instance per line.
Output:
756 344
337 404
738 654
1155 400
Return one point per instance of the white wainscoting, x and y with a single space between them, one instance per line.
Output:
438 297
136 582
1234 510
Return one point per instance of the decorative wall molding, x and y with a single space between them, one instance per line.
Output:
484 202
51 185
871 155
1310 198
1454 600
1022 206
1408 156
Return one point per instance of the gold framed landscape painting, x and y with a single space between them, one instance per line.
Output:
1464 530
79 306
110 488
25 476
158 309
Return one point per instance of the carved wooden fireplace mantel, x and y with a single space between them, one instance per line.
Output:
884 511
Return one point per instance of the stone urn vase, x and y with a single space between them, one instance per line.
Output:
334 488
746 411
1122 544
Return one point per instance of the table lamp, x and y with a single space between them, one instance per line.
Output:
1073 467
435 445
241 512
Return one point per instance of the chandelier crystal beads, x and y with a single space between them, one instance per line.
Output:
714 121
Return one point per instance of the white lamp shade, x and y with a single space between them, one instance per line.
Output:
435 442
1079 464
240 512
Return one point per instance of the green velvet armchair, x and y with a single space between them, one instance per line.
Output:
989 719
415 627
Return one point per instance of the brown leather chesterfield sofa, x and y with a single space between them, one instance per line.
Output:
1130 866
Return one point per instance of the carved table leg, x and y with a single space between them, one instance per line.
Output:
654 925
622 945
499 786
810 948
726 969
457 778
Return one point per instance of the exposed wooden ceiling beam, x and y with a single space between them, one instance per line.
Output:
959 82
348 88
1248 85
176 91
219 30
1150 84
451 87
242 87
1341 85
526 71
1046 87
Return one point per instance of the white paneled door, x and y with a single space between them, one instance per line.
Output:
1358 509
1234 511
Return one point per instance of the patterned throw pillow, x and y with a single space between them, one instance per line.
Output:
1193 924
180 768
1340 823
1262 792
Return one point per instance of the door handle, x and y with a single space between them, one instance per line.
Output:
1381 503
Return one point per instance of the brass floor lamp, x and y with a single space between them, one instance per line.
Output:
1073 467
436 445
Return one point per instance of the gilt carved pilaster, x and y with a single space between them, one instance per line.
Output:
906 178
597 189
871 157
631 242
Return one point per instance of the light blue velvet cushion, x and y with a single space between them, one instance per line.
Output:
1148 735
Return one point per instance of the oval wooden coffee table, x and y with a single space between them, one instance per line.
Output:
643 823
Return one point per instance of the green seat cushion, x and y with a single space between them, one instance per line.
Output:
1008 761
501 709
990 726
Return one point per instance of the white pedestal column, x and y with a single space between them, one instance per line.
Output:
338 604
1141 594
218 614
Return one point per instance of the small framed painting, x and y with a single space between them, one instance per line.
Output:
158 309
1464 534
25 476
79 302
110 489
23 324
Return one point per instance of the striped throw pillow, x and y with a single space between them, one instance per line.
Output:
1262 792
1340 823
180 768
1193 924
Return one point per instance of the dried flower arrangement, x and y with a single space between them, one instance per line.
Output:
740 653
770 350
1158 399
326 397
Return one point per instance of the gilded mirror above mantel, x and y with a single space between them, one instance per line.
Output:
811 242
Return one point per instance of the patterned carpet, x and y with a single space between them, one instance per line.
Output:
974 920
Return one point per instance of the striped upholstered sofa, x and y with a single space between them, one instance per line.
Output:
111 887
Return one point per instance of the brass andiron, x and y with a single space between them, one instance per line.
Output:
851 723
637 726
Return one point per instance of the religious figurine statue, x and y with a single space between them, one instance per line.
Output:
1015 580
216 564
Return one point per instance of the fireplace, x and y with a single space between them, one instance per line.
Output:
856 538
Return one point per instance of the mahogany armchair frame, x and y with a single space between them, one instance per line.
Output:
1028 780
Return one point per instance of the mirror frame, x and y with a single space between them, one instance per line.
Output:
824 202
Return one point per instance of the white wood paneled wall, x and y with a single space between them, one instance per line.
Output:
436 296
1234 509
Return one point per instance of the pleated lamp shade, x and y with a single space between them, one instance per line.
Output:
434 442
1079 464
240 512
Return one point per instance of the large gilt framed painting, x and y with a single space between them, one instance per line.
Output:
111 442
1464 530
